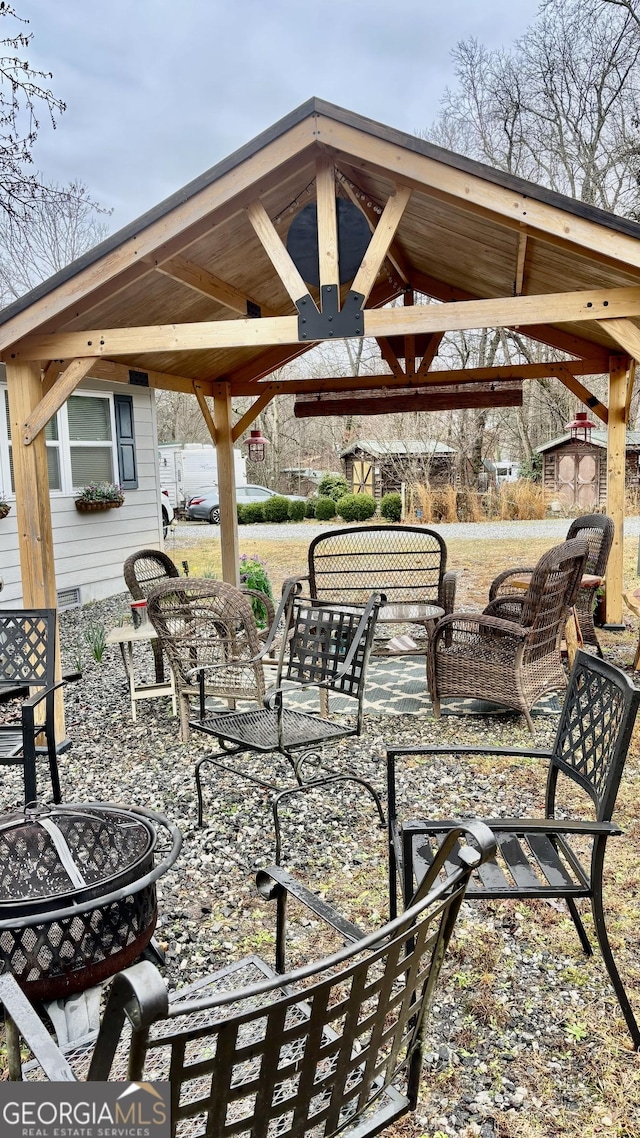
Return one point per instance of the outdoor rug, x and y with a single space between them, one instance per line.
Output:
399 687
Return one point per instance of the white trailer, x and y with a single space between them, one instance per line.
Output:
186 468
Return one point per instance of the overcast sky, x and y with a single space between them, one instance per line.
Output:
157 91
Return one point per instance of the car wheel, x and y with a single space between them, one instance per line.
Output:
214 516
165 523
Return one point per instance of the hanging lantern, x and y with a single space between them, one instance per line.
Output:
256 445
581 427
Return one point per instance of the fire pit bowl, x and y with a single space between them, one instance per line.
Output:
78 892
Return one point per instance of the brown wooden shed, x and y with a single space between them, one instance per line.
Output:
575 471
379 468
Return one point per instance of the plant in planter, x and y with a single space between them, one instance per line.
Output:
253 574
4 506
99 496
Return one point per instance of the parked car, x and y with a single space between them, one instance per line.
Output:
206 505
167 512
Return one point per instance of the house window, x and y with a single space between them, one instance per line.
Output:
90 439
53 453
82 445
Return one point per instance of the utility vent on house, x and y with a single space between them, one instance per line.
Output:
68 599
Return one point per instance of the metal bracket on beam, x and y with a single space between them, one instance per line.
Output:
331 322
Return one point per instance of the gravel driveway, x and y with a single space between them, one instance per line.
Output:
191 533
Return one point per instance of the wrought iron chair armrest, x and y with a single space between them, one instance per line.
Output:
462 749
525 826
34 700
29 1026
498 581
295 580
274 880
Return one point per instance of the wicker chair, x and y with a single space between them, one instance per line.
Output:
598 531
142 572
202 623
334 1047
510 653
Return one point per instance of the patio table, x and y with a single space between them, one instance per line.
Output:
126 636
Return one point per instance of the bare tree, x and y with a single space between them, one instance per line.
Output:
60 228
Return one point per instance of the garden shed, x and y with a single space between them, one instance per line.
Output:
379 468
575 470
327 226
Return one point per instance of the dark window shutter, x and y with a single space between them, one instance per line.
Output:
125 436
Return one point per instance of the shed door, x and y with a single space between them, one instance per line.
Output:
578 479
362 477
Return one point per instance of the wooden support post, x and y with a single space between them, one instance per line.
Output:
33 505
616 441
226 484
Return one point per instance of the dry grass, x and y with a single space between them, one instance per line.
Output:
513 501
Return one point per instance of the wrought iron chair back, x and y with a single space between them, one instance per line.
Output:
323 646
332 1047
543 857
207 626
594 734
27 656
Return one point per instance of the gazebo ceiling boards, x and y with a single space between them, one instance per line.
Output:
202 294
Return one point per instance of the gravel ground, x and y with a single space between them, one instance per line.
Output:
526 1037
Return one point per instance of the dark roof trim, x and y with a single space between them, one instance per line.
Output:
348 118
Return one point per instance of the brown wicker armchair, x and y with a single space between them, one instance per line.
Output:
202 623
142 572
510 653
598 531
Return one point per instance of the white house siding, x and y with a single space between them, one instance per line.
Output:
90 549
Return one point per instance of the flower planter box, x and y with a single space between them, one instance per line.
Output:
89 507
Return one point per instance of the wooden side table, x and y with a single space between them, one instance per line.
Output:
126 636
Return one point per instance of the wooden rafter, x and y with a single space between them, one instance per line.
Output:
327 221
429 354
521 257
552 337
276 251
395 253
381 239
474 194
626 335
209 335
202 281
499 373
53 399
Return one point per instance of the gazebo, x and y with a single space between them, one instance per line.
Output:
306 234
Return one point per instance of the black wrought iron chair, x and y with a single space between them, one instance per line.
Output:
323 647
27 657
334 1047
538 856
207 628
597 530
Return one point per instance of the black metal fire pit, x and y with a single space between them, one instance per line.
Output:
78 892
